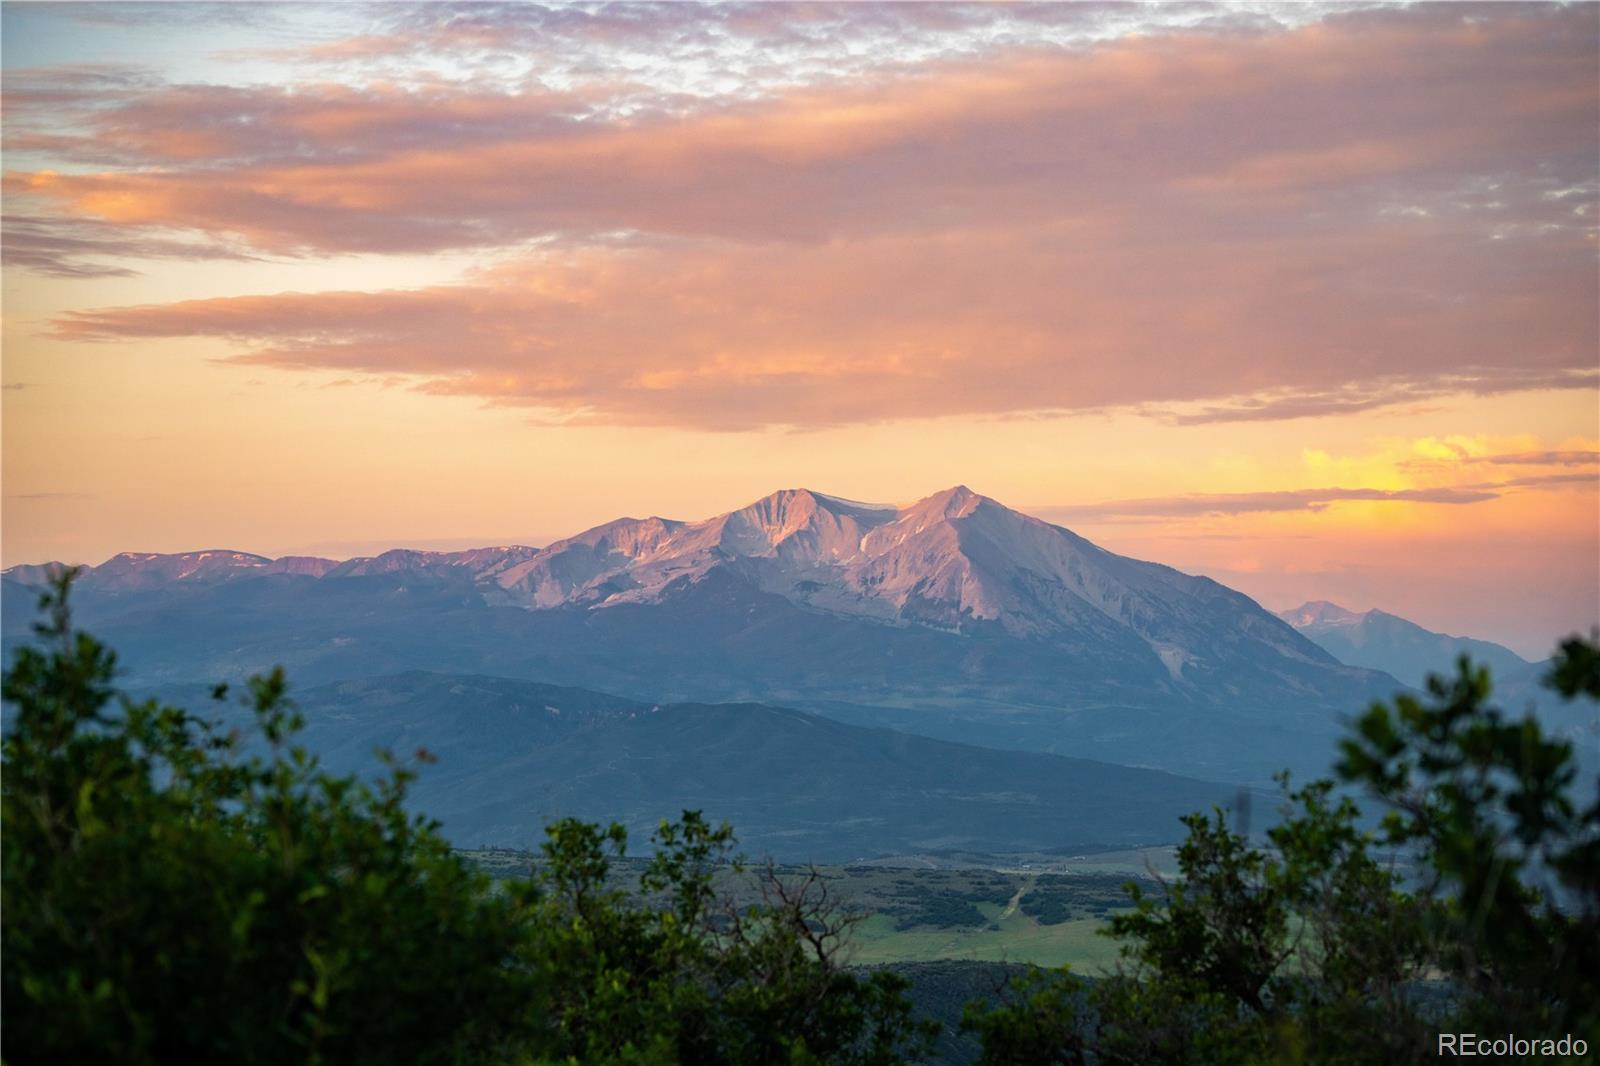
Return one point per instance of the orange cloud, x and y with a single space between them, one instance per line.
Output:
730 337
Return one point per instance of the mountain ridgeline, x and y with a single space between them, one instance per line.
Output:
955 617
1382 641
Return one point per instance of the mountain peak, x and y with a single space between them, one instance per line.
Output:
799 523
1378 640
130 570
1321 612
802 503
799 573
955 502
786 505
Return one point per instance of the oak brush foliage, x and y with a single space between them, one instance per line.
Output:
1316 950
171 896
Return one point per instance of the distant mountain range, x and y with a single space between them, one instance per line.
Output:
514 755
954 617
1382 641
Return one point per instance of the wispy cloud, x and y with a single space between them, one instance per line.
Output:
1385 391
1196 505
1537 480
83 248
1189 506
1550 458
1457 456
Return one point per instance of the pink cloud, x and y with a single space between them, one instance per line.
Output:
1372 210
1066 318
1374 108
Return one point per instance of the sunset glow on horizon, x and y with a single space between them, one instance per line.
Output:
1301 297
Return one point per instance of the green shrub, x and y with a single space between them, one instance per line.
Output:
1313 950
171 894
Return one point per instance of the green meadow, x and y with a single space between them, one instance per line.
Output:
912 914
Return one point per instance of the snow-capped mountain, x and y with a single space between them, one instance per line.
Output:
955 616
956 562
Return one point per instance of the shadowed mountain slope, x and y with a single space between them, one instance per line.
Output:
513 755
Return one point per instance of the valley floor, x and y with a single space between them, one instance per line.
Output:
1039 910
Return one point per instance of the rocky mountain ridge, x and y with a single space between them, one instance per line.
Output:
955 561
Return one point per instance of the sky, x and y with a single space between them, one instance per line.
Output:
1301 297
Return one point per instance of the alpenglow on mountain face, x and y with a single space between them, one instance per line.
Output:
956 561
953 560
954 616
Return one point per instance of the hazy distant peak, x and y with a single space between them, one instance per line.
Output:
392 561
1379 640
478 561
141 569
1321 612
